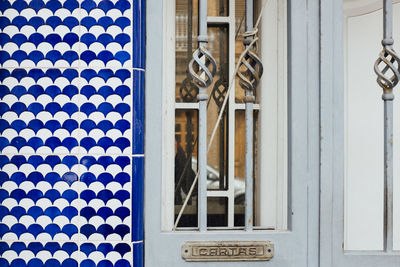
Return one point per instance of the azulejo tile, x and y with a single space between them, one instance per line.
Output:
39 197
39 254
106 35
71 115
39 111
39 33
106 254
106 112
106 190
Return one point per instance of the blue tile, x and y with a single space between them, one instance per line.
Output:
67 103
138 255
106 41
105 192
39 42
139 34
138 112
137 198
38 109
39 254
110 254
106 111
46 182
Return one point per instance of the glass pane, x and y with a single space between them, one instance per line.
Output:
186 43
218 8
217 157
217 210
186 164
240 183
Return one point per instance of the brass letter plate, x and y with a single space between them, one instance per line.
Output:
227 251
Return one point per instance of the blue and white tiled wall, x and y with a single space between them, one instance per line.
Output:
71 132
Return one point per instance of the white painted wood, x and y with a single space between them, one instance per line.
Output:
231 116
186 105
168 100
272 182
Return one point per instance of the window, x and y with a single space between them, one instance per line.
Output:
226 158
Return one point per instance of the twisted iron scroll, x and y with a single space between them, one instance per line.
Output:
251 70
199 65
389 75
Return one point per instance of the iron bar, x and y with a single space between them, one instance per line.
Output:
249 78
249 100
388 171
387 67
202 77
202 149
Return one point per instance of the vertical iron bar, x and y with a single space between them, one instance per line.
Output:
249 99
202 68
387 19
202 149
388 139
388 171
387 68
222 124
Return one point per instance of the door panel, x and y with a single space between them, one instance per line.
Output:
297 246
352 144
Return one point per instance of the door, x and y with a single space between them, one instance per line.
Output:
285 134
359 134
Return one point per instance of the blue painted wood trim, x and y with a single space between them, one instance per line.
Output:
138 255
137 198
139 34
138 113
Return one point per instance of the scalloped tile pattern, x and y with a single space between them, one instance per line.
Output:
106 197
68 254
71 132
65 198
65 111
66 33
39 197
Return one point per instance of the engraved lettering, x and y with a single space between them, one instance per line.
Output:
223 252
252 251
213 251
227 251
203 251
242 251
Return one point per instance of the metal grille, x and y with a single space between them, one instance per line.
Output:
198 88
